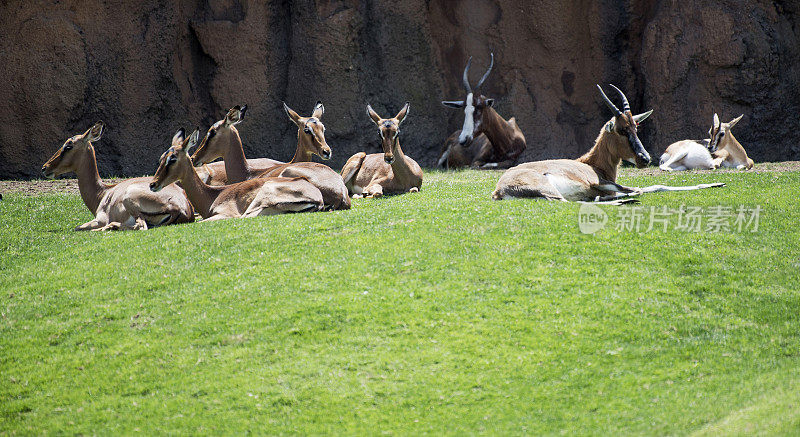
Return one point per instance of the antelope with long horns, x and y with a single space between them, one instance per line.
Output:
254 197
592 177
503 143
126 205
311 141
390 172
222 141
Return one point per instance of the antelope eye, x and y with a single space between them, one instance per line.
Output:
171 159
68 147
307 130
211 134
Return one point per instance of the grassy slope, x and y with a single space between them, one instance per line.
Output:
436 312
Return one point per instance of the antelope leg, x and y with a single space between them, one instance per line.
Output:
90 225
660 188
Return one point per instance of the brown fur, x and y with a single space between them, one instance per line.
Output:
126 205
222 141
261 196
390 172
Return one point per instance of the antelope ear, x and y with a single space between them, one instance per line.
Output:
318 110
192 141
95 132
642 117
458 104
403 113
177 140
733 122
716 121
489 102
235 115
373 115
292 115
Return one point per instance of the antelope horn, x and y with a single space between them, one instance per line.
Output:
608 102
465 78
491 64
626 107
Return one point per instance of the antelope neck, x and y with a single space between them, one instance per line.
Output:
602 158
90 185
201 196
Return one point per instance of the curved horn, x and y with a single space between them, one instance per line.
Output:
491 64
626 107
608 102
465 78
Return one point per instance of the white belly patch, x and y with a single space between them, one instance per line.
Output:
569 189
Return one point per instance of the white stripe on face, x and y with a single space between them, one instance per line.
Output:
469 121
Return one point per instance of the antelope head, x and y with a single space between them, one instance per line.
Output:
311 132
719 130
473 106
175 162
625 125
219 136
389 129
70 156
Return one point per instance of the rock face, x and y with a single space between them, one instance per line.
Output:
150 67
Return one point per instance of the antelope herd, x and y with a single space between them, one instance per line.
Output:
186 183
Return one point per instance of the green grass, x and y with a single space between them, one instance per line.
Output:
441 312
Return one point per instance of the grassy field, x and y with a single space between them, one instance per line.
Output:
441 312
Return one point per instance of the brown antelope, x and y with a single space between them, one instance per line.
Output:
260 196
504 139
311 141
222 141
390 172
126 205
592 177
726 150
721 149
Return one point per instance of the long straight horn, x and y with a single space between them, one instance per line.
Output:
483 79
608 102
626 107
465 78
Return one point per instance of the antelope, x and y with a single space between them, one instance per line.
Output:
592 177
260 196
391 172
725 148
222 141
311 141
126 205
721 149
504 139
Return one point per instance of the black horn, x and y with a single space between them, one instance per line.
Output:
626 107
608 102
465 78
483 79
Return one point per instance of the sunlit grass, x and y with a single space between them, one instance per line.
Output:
441 312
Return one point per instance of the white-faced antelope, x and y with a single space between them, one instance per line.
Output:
390 172
126 205
592 177
720 150
254 197
503 142
311 141
222 141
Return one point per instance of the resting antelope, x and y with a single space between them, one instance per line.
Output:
222 141
390 172
126 205
592 176
503 142
260 196
311 141
720 150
